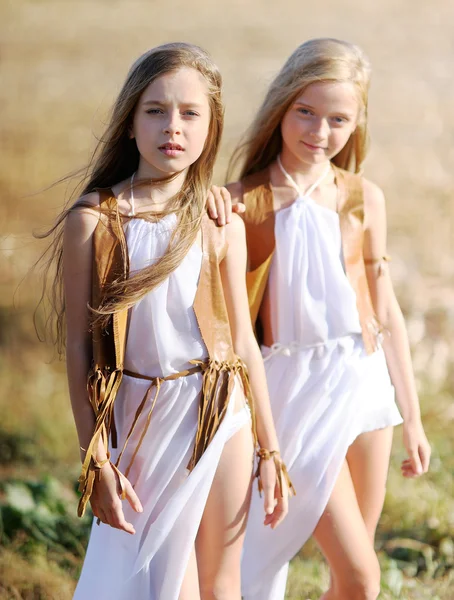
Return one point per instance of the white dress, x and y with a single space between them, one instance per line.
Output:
324 389
163 336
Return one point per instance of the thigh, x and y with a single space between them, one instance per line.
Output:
190 588
368 461
221 533
343 538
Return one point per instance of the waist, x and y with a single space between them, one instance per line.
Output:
318 349
159 378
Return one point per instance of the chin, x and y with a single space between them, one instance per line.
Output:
169 166
312 159
316 157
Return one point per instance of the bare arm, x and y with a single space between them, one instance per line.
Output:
77 274
77 259
233 270
395 344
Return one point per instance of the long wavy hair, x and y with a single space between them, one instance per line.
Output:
317 60
116 158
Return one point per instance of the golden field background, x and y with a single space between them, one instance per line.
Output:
61 64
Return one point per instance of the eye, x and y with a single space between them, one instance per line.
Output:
340 120
154 111
305 111
191 113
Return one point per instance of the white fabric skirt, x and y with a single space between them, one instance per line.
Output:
151 564
322 398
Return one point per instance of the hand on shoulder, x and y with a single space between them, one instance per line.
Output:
223 201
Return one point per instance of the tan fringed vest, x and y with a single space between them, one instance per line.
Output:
110 262
259 220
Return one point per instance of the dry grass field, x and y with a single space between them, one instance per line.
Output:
61 64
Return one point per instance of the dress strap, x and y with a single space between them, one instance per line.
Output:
293 183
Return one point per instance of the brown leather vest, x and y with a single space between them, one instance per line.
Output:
110 262
259 220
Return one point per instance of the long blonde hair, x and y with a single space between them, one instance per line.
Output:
317 60
116 158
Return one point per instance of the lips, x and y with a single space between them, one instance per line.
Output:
170 146
313 146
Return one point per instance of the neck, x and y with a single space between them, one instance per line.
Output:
157 188
303 173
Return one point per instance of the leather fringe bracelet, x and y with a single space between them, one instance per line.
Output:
281 471
98 465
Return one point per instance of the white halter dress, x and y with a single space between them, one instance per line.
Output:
163 336
324 389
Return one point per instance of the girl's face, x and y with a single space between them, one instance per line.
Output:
320 121
171 123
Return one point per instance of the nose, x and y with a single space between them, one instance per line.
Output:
320 129
173 125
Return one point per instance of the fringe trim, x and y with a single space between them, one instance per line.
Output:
102 388
281 471
217 388
103 385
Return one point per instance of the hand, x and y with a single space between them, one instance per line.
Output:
105 500
418 450
219 205
276 508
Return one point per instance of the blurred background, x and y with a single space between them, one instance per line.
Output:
61 65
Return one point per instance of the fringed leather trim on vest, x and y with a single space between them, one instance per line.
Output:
217 387
102 389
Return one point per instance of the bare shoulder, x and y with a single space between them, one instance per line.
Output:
236 190
374 198
375 215
235 230
83 216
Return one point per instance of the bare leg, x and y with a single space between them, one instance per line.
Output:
221 534
368 461
190 587
345 542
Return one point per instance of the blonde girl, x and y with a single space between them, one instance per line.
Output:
156 314
324 309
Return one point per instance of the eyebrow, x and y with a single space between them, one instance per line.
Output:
304 104
340 112
158 103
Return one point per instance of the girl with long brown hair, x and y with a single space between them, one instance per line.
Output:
156 313
324 308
